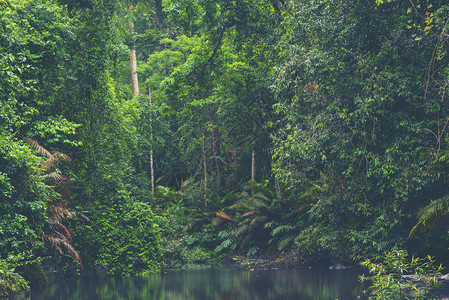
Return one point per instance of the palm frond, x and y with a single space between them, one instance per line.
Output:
55 177
58 211
434 215
221 214
239 206
270 224
52 159
250 213
242 229
257 220
261 196
41 150
225 244
51 163
62 241
61 156
62 230
282 229
285 242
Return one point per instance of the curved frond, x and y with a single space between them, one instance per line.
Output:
221 214
55 177
62 230
41 150
435 214
62 242
281 229
52 159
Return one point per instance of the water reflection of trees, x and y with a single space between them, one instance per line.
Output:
215 285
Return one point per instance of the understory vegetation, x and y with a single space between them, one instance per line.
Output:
140 135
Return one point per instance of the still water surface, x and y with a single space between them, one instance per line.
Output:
212 284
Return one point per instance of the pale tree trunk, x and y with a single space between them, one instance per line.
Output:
134 79
151 150
133 60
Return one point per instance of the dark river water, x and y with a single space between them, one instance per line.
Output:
212 284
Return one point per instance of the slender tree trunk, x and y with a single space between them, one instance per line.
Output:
253 165
134 79
151 149
133 60
253 171
205 169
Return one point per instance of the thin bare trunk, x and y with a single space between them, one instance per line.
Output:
134 79
151 150
133 60
253 165
253 171
205 170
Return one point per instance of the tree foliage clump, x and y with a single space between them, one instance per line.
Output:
359 116
56 90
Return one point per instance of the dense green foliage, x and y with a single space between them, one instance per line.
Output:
396 278
11 281
299 129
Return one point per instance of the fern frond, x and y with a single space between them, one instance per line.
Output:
257 220
242 229
50 164
270 224
435 214
41 150
221 214
240 206
250 213
61 156
58 211
52 159
281 229
65 232
285 242
261 196
217 221
56 177
225 244
302 207
61 241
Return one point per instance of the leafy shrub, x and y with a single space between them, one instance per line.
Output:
10 281
130 241
396 278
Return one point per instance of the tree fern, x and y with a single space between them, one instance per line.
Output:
59 236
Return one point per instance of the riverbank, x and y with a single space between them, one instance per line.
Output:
275 263
280 263
440 292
